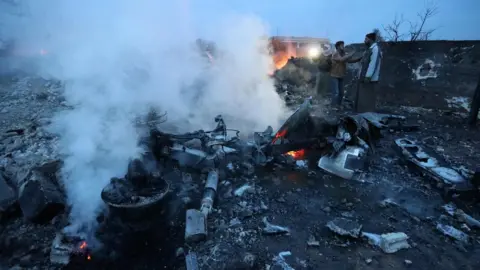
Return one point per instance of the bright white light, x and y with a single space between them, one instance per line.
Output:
313 52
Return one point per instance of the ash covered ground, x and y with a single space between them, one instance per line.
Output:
389 197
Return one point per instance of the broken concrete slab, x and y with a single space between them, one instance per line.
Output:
40 199
7 195
345 227
389 242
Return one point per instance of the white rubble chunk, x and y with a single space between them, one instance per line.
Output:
388 242
241 190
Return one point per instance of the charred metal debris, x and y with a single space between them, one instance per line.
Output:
340 147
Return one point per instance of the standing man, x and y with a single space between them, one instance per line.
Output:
339 70
369 75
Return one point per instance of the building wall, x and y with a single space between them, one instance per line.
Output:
425 73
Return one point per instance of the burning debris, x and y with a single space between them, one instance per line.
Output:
65 248
163 189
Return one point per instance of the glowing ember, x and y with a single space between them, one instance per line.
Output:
297 155
83 245
280 134
89 257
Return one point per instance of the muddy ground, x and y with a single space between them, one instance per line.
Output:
302 199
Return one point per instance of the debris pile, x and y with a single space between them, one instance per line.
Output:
214 200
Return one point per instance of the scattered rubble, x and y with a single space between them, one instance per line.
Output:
241 190
297 169
40 199
453 211
280 261
454 233
389 242
312 242
271 229
345 227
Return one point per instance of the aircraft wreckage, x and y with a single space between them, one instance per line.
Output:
340 148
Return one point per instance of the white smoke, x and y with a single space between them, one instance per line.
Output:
118 58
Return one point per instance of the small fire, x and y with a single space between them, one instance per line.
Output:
83 248
282 51
297 155
280 134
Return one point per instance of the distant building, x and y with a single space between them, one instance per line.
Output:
300 45
284 47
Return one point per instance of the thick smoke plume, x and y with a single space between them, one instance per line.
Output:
119 58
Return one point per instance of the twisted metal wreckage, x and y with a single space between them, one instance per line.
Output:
341 148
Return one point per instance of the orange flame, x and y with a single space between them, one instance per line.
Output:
89 257
83 245
297 155
280 134
282 51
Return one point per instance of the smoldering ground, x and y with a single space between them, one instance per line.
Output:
120 58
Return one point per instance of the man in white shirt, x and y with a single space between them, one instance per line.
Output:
369 75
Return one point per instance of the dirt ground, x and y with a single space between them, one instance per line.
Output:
304 200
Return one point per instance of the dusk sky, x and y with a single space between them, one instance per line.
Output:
350 19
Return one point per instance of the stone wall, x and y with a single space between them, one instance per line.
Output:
429 74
